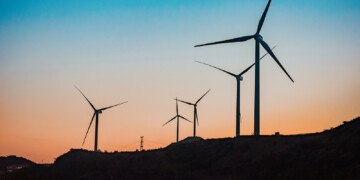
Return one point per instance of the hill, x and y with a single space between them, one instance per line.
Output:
13 162
332 154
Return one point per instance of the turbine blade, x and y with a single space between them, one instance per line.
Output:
266 47
217 68
169 121
202 97
88 128
184 118
86 98
262 19
239 39
247 69
197 118
185 102
177 109
113 106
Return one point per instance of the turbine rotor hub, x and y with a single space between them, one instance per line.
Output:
239 78
258 36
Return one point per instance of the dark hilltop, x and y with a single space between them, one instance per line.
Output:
331 154
13 163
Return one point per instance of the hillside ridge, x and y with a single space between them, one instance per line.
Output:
331 154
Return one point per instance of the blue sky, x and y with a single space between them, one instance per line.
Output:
160 24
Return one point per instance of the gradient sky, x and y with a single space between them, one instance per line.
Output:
142 52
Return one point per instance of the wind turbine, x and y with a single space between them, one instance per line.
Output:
258 40
196 119
96 113
238 79
177 117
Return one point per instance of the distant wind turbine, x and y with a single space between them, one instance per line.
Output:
258 40
196 120
177 117
96 113
238 79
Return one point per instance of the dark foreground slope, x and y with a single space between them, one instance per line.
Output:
13 162
332 154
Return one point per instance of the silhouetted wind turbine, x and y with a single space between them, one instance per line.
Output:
238 79
196 120
258 40
96 113
177 117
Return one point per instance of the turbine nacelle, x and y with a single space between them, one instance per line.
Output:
239 78
258 37
99 111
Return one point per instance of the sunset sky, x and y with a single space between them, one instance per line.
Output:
142 52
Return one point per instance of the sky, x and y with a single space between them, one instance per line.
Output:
142 52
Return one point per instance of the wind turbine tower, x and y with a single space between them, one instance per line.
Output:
196 119
96 113
238 78
258 41
177 120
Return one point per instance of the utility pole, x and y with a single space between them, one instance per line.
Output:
141 143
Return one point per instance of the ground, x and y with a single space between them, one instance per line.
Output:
332 154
